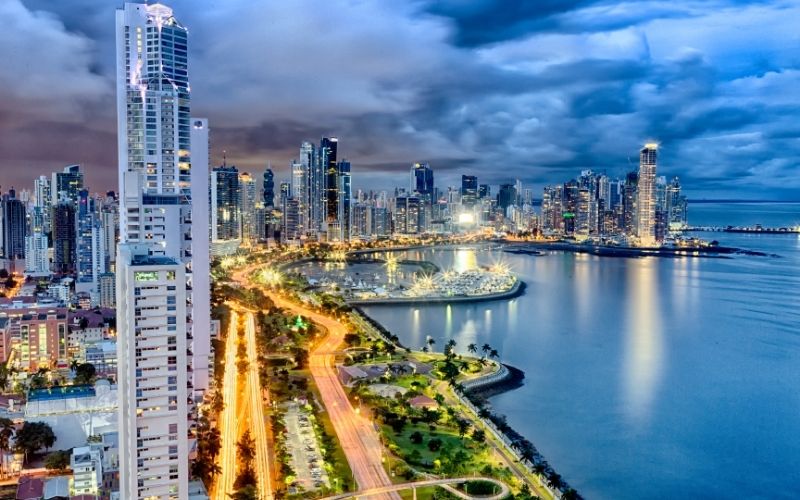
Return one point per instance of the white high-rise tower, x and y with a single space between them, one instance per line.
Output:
163 325
646 202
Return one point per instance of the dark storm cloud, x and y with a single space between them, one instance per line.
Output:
535 90
480 22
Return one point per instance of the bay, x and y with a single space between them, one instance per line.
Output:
646 377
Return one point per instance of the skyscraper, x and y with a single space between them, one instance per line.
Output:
629 203
327 159
225 204
507 196
676 205
64 238
646 196
12 227
316 187
268 193
300 192
247 206
345 194
406 215
422 180
469 190
66 184
155 257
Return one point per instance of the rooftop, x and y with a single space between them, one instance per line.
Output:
63 392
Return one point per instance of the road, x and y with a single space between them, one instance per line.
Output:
356 434
504 490
228 427
256 405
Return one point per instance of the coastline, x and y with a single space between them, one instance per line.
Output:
475 396
717 252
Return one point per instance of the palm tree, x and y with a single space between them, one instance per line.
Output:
494 354
554 479
6 433
431 342
486 348
472 348
4 373
73 365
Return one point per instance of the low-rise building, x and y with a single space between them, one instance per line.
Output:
86 463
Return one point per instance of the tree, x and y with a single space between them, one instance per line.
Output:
472 348
524 492
478 435
246 447
4 377
494 354
6 433
554 480
416 437
32 437
84 374
486 348
431 342
247 493
463 427
434 444
57 460
570 494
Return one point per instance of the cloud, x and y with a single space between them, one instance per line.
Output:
505 89
46 70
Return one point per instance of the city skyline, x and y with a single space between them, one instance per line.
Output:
715 101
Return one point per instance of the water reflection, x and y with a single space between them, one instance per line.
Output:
465 259
642 359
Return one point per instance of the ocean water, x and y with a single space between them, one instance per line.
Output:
647 377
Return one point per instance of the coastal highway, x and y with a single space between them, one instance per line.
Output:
356 434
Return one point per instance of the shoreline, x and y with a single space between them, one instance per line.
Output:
477 398
537 248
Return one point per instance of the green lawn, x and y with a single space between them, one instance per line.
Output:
425 493
403 440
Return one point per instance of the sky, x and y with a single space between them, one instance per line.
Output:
504 89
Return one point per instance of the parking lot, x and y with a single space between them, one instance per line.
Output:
302 445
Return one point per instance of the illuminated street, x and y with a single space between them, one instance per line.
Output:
228 427
356 434
257 423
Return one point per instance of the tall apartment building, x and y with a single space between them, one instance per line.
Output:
153 373
247 206
162 256
646 196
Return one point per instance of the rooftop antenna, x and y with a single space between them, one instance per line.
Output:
224 158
